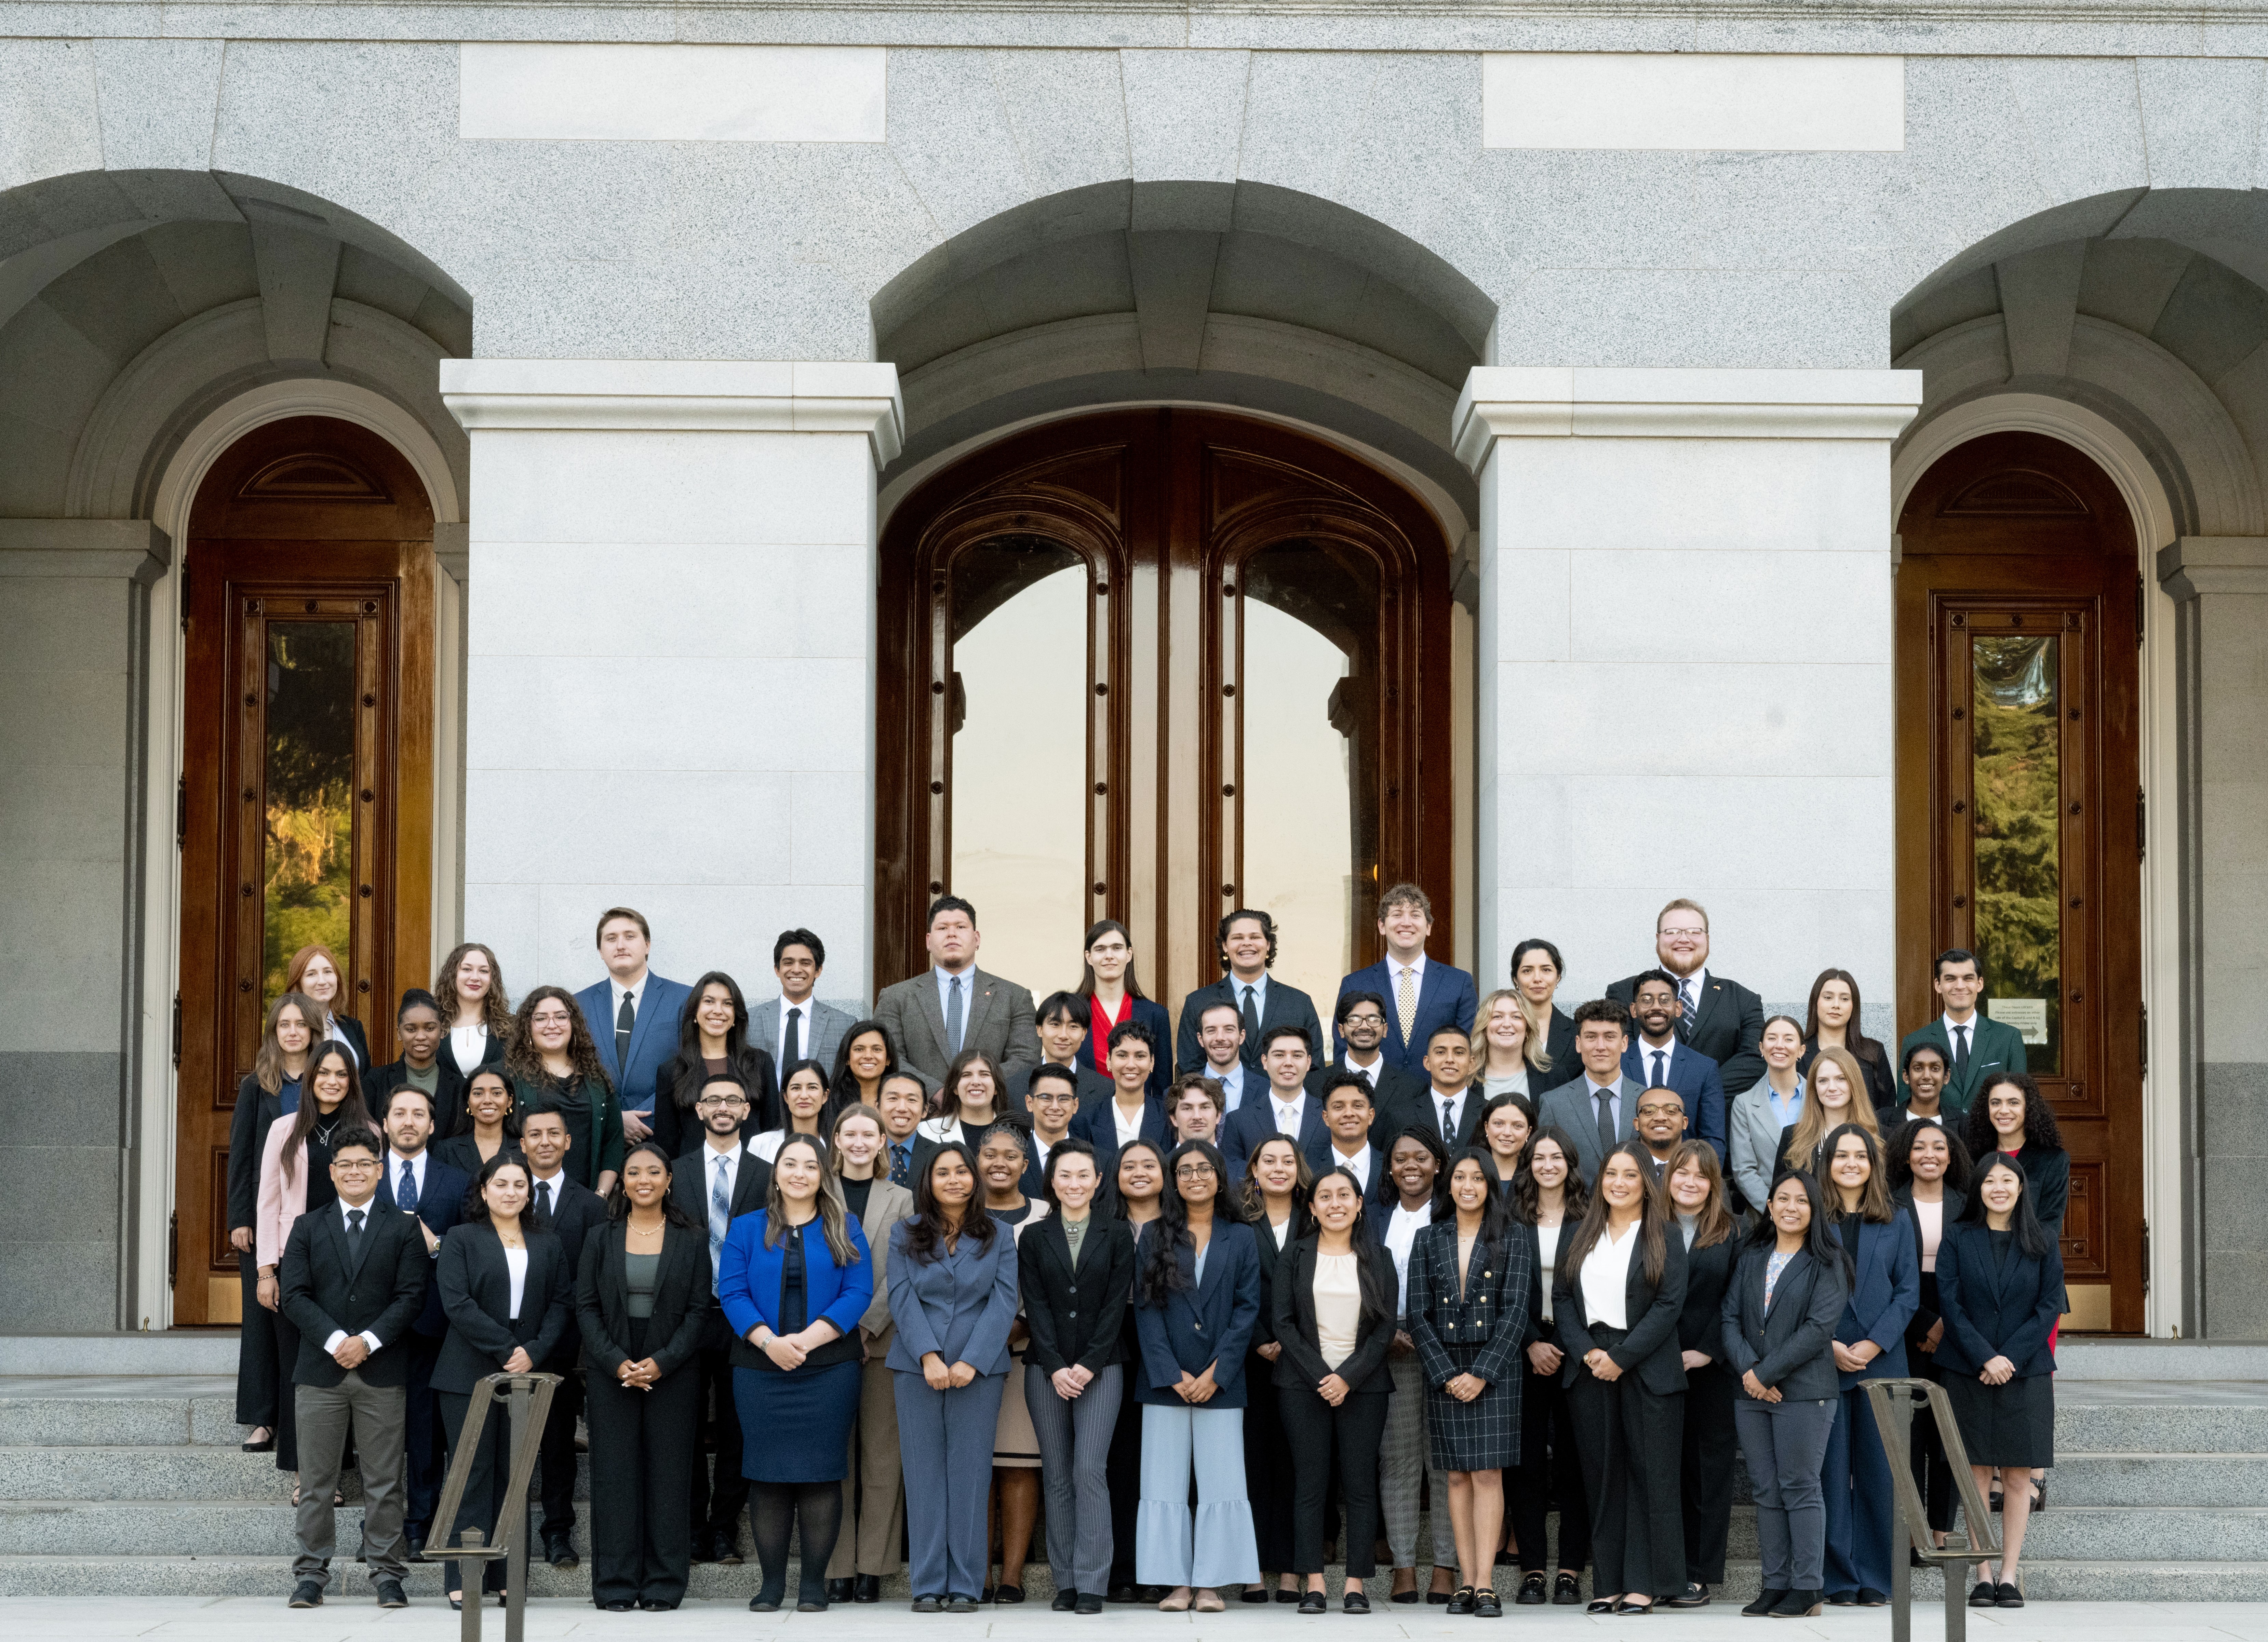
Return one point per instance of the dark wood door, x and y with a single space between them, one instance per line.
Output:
1232 687
2019 826
308 775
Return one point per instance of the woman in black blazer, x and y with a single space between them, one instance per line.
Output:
1333 1300
1929 1179
1618 1294
477 1022
1537 970
712 1040
1696 1186
1273 1198
488 1124
642 1300
315 972
1999 1288
1781 1310
508 1291
1548 1201
278 1070
2010 1115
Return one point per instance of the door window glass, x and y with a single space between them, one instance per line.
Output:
2018 770
308 756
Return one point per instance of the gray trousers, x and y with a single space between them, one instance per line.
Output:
1074 1447
379 1417
1402 1459
946 1438
1786 1444
874 1487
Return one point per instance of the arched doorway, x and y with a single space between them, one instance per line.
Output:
1152 665
307 792
2019 825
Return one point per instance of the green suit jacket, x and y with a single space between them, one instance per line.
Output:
1993 1046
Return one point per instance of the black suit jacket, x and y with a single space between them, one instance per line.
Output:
1790 1343
1391 1088
689 1189
579 1212
1651 1347
476 1295
1726 1027
1559 1047
324 1288
449 1097
683 1297
1424 1107
677 1128
1077 1317
440 1206
1926 1314
1293 1322
1701 1324
1284 1006
1271 1256
256 1111
462 1153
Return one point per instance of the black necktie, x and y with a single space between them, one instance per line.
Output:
1448 1121
354 1237
1959 1053
1606 1098
543 1203
625 1018
1251 1017
790 1050
901 1162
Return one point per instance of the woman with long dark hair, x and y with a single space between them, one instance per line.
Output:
554 1067
1111 995
1411 1197
1272 1201
1536 972
2010 1116
1929 1179
1133 1194
712 1040
971 1098
1003 1155
1832 1020
315 972
269 1091
1696 1187
1507 1124
476 1022
864 1059
486 1125
802 1102
1548 1200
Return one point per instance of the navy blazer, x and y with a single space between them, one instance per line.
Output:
1790 1343
1282 1005
1210 1322
1254 1124
1694 1076
1727 1026
2047 1176
1995 1311
1883 1295
1926 1314
653 1039
1446 994
475 1287
960 1303
748 1278
440 1206
1151 1014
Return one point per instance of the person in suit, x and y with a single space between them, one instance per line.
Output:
2013 1117
1110 994
1506 1123
639 1015
1694 1184
553 1066
1659 1126
1536 972
795 1279
717 1182
1598 1106
477 1024
903 1100
970 1103
279 1067
1835 1096
796 1026
1656 1059
417 1185
642 1304
1193 1107
952 1296
1870 1343
1929 1179
2000 1289
1073 1377
1004 1156
1764 1111
1247 944
353 1280
1270 1199
1359 1019
1348 1118
1051 1100
1412 1200
1548 1200
1132 1112
315 972
564 1206
1718 1017
1197 1298
1134 1183
867 1550
1972 1044
803 1110
1287 1110
507 1288
1421 994
417 1029
715 1034
1500 1045
955 1005
1220 1042
1333 1320
1832 1020
1786 1296
1618 1292
487 1123
1468 1315
863 1061
1060 1023
1921 1089
1451 1104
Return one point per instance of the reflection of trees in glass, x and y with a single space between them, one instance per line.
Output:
2018 798
309 889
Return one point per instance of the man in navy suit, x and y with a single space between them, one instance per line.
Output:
1248 948
1284 1107
415 1182
633 1015
1420 994
1658 1060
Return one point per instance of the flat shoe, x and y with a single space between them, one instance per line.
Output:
1283 1596
1983 1595
1253 1596
1566 1590
1633 1608
811 1607
1437 1598
1314 1602
1173 1604
1355 1602
1008 1593
928 1605
2007 1596
1410 1595
1603 1605
961 1604
1533 1591
1487 1604
1869 1597
1208 1602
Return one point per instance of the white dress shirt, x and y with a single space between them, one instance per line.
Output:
469 1044
1646 1051
1129 1129
515 1265
1357 1165
1547 1254
1434 1098
1949 1026
394 1163
1370 1072
369 1214
558 1184
1288 1114
1401 1228
1689 990
331 1030
1605 1277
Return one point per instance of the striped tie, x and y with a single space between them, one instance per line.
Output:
1688 1003
720 1212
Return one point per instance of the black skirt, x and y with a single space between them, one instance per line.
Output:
2005 1424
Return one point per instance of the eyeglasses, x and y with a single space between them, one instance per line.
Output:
1193 1171
1680 934
721 1100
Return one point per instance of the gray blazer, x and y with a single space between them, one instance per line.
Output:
823 1027
999 1022
887 1204
1569 1108
1752 1142
1791 1342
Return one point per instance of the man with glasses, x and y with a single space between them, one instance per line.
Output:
1052 1100
1717 1016
1657 1059
1361 1020
1661 1125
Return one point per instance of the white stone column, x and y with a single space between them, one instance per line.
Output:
1684 665
671 666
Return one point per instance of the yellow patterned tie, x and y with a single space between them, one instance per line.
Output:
1405 1003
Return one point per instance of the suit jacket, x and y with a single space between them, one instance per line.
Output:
749 1275
325 1288
441 1205
462 1153
256 1112
823 1028
960 1303
348 1031
1752 1141
1293 1321
1694 1076
1489 1311
1423 1106
1000 1020
1789 1345
1727 1026
1201 1323
677 1127
1651 1347
577 1213
1066 1332
653 1036
1390 1087
1254 1124
1094 1088
682 1300
689 1189
1446 994
1282 1006
1272 1255
1569 1108
887 1204
1701 1325
1559 1047
449 1095
1151 1014
476 1293
1993 1310
1925 1313
1884 1292
1994 1046
2047 1177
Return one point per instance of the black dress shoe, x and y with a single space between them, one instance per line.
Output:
838 1590
307 1594
1124 1594
2007 1596
1066 1601
866 1587
1258 1596
1435 1598
1766 1601
1286 1597
559 1551
1629 1608
1486 1605
1089 1603
811 1607
1566 1590
761 1603
1601 1605
1984 1594
1797 1605
1869 1597
1695 1594
654 1605
1534 1590
1008 1595
929 1604
390 1595
1461 1600
727 1551
413 1537
1355 1602
615 1607
1314 1602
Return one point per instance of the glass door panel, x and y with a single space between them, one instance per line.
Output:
2016 748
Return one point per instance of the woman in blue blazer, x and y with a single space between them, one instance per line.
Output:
953 1298
2000 1289
1870 1343
794 1279
1196 1296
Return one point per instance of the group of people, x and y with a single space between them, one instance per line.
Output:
1478 1251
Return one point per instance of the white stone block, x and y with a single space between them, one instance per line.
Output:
672 93
1831 609
1692 101
692 827
687 600
1644 720
1827 494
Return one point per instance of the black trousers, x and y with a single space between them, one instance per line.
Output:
642 1458
485 1486
555 1479
1309 1425
1706 1492
1123 1472
1550 1469
420 1424
1933 1472
1268 1470
286 1336
1627 1436
256 1352
716 1490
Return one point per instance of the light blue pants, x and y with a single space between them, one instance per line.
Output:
944 1440
1214 1546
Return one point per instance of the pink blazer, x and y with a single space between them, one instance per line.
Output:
281 1201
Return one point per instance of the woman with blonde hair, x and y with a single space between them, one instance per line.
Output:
1499 1042
476 1026
1836 1096
1696 1187
873 1512
316 972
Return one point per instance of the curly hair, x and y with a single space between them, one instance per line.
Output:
2040 1129
525 1062
495 1013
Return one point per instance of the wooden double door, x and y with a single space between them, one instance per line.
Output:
306 787
1154 664
2020 824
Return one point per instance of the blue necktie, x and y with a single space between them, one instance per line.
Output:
405 1196
720 1212
901 1162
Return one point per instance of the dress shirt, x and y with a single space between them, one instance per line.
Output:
331 1031
616 991
535 1184
724 1163
369 1212
1605 1276
1259 993
470 1044
1129 1129
1786 1111
393 1162
1338 1305
1688 991
1394 968
1434 1098
803 1028
1357 1165
515 1265
1232 1084
1646 1050
1401 1228
945 980
1370 1072
1547 1254
1949 1027
1288 1112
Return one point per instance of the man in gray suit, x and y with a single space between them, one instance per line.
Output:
1599 1109
796 1026
954 1005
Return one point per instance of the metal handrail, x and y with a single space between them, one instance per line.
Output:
530 1396
1892 1401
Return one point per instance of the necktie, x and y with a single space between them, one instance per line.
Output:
792 1048
1251 1017
625 1018
353 1236
1659 1055
720 1210
543 1203
405 1196
1959 1053
901 1162
1448 1121
1605 1099
1406 1004
953 1017
1687 1004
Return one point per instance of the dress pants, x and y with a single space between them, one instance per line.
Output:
1074 1461
373 1415
1268 1473
1784 1445
1861 1510
641 1504
1933 1472
945 1440
555 1479
420 1424
1630 1439
1710 1445
1550 1469
286 1336
1311 1428
1123 1471
720 1493
1403 1460
1213 1546
255 1353
874 1486
485 1485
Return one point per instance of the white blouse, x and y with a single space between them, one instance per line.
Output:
1402 1227
515 1262
1606 1277
469 1044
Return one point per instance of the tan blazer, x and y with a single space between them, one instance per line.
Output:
887 1204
